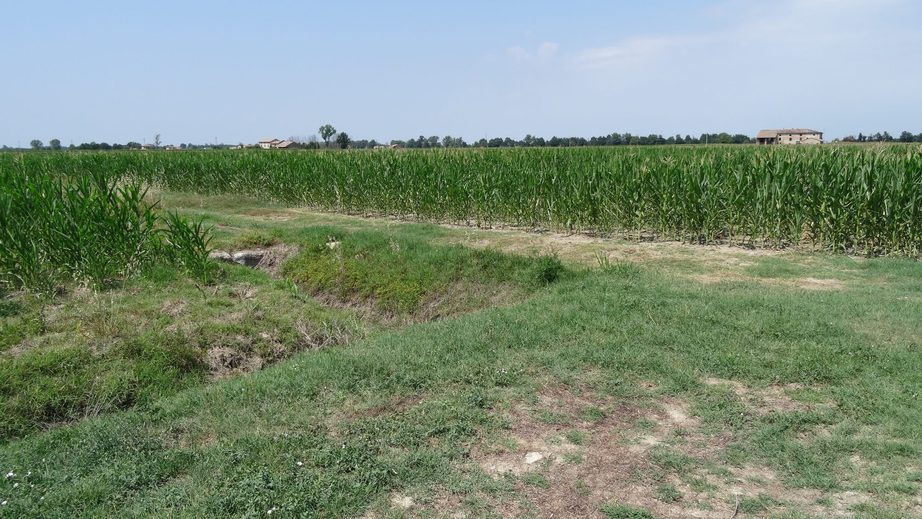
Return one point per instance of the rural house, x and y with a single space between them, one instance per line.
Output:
268 144
790 136
276 144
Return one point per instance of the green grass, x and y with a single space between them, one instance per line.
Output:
400 274
668 494
620 511
90 353
397 409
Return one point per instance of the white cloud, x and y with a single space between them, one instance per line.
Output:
631 51
544 52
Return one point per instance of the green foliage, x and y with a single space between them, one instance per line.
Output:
620 511
85 227
668 493
186 245
845 198
54 385
754 505
401 275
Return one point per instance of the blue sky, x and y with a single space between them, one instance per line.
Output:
239 71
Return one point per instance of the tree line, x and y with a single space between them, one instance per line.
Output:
331 138
883 137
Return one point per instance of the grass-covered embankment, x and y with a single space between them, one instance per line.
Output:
802 394
89 352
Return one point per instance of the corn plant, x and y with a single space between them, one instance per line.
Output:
865 199
84 226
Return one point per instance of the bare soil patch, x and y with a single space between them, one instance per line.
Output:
762 401
810 283
568 454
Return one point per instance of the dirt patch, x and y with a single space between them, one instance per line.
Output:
173 307
393 406
762 401
457 298
276 256
269 259
466 296
818 284
568 454
226 362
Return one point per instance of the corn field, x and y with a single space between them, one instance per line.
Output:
88 228
863 199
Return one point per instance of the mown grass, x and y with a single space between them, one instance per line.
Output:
289 438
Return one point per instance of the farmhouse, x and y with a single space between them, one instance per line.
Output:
790 136
268 144
286 145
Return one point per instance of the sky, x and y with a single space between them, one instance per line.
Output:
233 71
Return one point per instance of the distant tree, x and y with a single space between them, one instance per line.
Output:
157 140
54 144
36 144
343 140
327 131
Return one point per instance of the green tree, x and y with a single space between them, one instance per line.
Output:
327 131
157 140
36 144
343 140
55 144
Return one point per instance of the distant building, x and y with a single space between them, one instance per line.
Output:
790 136
268 144
276 144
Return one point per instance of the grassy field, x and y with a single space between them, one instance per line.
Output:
383 368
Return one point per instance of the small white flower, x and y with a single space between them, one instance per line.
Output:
10 474
15 485
300 463
3 503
